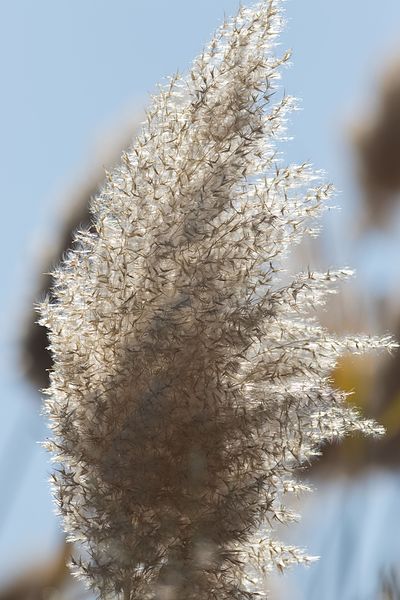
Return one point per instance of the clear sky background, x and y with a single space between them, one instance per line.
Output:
71 70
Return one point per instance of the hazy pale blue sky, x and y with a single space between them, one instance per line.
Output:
70 69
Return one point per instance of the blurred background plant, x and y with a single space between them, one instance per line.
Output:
71 69
390 586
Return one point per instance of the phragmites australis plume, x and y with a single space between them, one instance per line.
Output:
190 379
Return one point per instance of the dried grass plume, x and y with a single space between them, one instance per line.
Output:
190 379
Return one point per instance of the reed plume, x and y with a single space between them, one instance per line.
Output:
190 379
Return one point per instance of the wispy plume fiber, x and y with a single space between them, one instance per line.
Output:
190 380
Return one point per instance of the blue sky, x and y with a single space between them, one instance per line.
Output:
73 69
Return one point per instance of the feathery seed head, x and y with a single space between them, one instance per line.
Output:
190 380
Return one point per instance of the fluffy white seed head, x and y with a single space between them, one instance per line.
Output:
190 380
